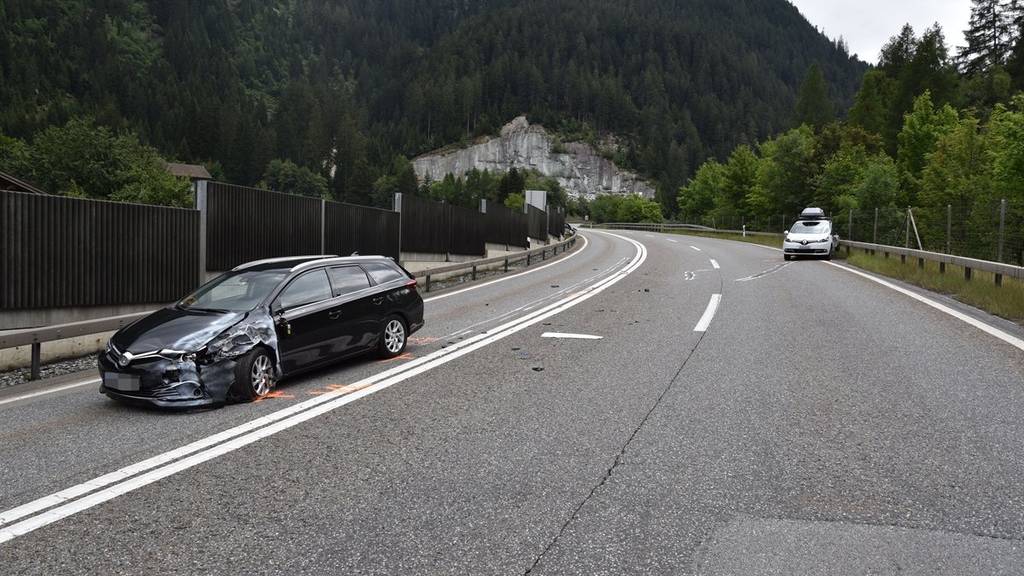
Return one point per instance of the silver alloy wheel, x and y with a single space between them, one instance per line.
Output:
261 375
394 336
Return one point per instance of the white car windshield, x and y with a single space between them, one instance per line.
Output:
813 227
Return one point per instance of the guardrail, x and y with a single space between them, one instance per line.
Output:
998 269
37 336
474 265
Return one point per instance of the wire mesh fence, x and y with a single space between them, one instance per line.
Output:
991 230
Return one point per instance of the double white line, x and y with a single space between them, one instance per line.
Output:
49 509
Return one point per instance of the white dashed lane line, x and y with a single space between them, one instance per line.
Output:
709 314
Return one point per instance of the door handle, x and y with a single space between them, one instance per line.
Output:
378 300
334 314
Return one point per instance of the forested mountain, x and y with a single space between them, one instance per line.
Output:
938 132
341 87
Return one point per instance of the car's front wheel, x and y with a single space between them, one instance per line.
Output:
254 376
787 257
394 337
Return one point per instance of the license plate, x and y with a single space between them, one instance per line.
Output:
121 382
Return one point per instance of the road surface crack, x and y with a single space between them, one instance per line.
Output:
622 452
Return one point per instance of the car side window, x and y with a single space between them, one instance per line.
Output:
382 273
306 289
347 279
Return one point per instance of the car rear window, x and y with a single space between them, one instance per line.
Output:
382 272
348 279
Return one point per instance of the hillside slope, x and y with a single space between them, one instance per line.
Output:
344 86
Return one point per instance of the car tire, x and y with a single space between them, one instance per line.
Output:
393 338
254 376
787 257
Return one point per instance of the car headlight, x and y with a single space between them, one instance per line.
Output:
824 240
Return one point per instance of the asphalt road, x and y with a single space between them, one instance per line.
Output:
822 424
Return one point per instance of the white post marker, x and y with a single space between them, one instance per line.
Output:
570 336
709 314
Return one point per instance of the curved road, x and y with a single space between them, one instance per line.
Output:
814 422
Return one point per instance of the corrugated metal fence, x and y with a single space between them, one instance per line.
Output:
246 224
506 226
556 222
537 222
349 228
57 251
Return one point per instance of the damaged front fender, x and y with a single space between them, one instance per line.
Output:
255 330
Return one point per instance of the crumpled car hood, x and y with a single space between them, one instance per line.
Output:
174 328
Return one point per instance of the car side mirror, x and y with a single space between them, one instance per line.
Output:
276 309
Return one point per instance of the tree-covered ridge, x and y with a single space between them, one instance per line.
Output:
942 134
343 87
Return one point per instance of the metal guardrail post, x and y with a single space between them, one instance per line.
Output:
506 263
474 272
201 205
1002 229
428 282
36 353
323 226
949 228
874 239
967 273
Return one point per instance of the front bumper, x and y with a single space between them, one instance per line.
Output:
811 249
166 383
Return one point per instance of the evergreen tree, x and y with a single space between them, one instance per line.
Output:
813 106
988 37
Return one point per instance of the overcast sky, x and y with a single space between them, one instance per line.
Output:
868 24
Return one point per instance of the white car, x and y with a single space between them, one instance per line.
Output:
810 237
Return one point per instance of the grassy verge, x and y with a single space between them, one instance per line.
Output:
773 241
981 291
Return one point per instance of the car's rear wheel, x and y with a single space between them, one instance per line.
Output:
254 376
394 337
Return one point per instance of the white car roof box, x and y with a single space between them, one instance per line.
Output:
812 214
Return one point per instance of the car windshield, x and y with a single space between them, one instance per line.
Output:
234 291
814 227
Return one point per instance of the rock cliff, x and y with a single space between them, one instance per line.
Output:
579 169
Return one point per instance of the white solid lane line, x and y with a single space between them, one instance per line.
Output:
714 264
282 419
709 314
570 336
695 248
50 391
988 329
504 278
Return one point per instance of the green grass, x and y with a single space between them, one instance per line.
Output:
980 291
773 241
